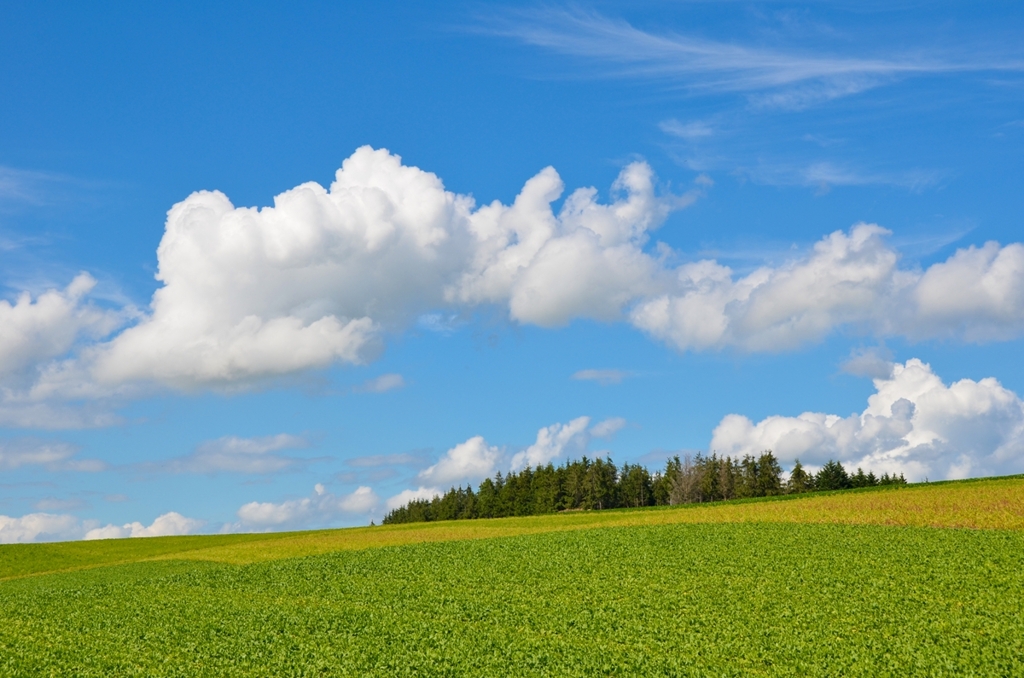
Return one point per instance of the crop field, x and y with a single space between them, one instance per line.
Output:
885 582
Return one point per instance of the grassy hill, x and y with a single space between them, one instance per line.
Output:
853 583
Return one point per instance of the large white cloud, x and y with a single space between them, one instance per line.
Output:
312 280
249 294
914 424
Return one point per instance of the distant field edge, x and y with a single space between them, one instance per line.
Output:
995 503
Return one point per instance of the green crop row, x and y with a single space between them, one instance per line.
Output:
701 599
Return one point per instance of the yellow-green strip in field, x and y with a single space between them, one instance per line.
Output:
996 503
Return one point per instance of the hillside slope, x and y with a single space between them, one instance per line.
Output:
991 503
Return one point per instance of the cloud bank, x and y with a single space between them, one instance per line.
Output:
913 424
324 274
167 525
35 527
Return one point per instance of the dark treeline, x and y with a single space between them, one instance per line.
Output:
587 484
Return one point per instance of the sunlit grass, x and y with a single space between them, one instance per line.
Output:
996 503
723 599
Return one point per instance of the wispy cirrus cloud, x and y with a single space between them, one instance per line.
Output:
233 454
824 175
51 455
381 384
24 186
603 377
774 77
414 458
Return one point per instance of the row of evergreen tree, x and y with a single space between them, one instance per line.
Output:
590 484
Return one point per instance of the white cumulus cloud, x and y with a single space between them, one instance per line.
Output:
252 293
405 496
35 527
471 460
913 423
166 525
320 508
848 279
978 293
608 427
35 330
474 460
249 294
39 527
553 442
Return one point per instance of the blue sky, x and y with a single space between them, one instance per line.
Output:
804 235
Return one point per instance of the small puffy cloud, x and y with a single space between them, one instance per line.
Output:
169 524
474 459
553 442
39 527
381 384
269 514
240 455
362 500
471 460
320 508
913 423
608 427
54 456
603 377
405 496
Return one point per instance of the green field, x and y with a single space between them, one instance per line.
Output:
765 588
